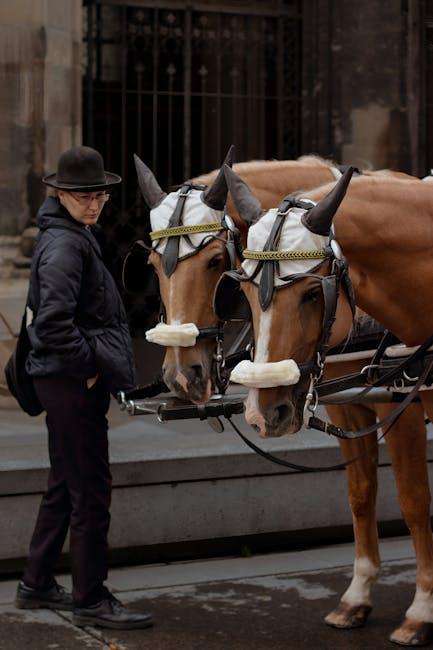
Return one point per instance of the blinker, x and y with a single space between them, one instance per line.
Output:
230 302
138 276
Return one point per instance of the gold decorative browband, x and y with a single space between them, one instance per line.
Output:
284 255
179 231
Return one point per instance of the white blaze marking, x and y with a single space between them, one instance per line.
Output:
176 319
364 575
252 411
422 606
261 353
253 414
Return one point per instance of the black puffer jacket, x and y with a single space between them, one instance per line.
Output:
79 325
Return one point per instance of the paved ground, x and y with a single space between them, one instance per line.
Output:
274 601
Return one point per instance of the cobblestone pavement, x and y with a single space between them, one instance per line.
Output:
275 601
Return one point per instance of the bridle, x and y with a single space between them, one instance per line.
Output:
331 285
170 259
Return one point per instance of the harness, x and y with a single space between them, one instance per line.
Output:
170 259
268 260
415 370
230 302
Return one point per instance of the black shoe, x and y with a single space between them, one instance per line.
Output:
54 597
111 613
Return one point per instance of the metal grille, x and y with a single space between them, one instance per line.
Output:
178 82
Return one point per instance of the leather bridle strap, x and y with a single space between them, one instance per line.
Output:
388 421
170 255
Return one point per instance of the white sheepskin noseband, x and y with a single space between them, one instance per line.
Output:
184 336
266 375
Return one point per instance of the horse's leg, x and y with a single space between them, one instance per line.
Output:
355 604
408 452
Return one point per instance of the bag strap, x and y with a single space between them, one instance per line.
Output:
7 325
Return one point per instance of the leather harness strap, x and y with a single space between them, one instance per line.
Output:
170 255
267 266
388 421
286 463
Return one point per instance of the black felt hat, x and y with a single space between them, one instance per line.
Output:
81 169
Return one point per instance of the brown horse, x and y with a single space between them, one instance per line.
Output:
198 275
389 255
188 369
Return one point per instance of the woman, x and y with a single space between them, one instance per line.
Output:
81 351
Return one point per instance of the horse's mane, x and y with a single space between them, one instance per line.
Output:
315 160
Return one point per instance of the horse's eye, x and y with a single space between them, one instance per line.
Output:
313 295
214 262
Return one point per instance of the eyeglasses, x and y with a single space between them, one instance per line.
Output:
84 200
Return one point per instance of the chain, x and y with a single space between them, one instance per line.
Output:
178 231
284 255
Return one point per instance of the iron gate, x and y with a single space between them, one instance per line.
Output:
177 82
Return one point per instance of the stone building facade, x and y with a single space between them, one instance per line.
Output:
363 93
40 99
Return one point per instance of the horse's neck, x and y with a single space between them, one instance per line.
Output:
386 234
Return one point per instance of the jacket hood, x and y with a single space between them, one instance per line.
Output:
52 214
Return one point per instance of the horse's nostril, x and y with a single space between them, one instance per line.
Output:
197 371
283 412
279 415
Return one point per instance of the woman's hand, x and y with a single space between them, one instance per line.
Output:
92 381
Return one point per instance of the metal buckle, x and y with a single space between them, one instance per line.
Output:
366 368
219 356
398 384
286 212
309 408
220 363
406 376
250 348
321 365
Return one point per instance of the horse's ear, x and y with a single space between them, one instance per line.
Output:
152 193
319 219
246 203
215 196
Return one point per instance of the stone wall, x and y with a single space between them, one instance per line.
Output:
40 100
357 100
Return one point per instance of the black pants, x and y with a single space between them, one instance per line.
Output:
79 487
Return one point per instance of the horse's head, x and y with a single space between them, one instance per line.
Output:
299 293
193 243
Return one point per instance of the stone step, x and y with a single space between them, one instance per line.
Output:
182 482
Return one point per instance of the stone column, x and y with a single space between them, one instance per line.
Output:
40 101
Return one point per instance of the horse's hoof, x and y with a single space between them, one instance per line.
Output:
413 633
347 616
